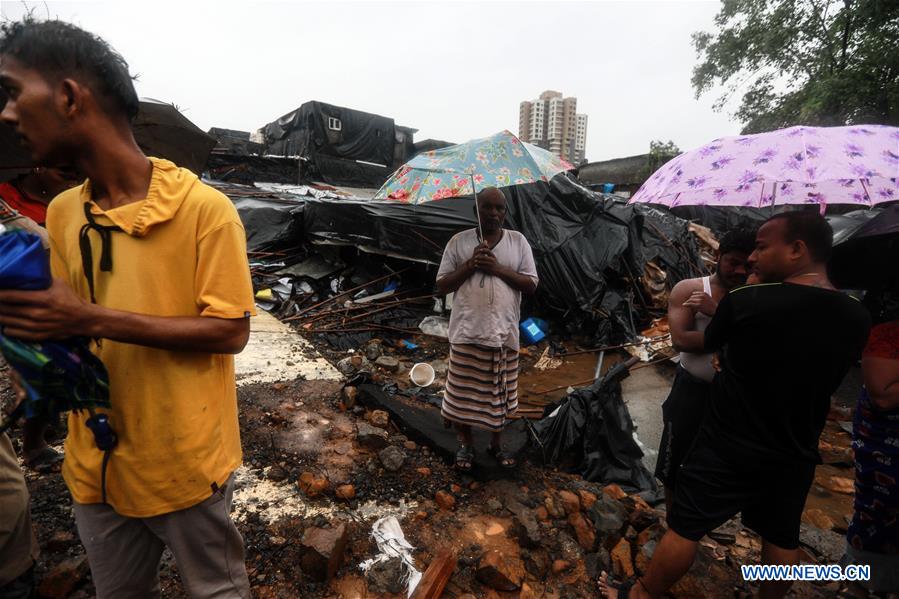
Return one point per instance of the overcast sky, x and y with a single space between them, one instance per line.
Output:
453 70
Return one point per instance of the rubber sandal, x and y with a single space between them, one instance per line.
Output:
505 459
46 460
464 459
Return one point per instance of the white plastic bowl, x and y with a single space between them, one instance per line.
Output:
422 374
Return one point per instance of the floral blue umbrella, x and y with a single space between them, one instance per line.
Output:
461 170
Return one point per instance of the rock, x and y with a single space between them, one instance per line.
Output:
392 458
276 474
349 397
387 576
500 572
560 565
494 505
567 547
553 508
597 563
532 590
345 492
373 351
641 518
313 485
630 534
609 517
60 541
380 419
277 541
467 596
524 525
370 437
614 491
445 500
541 514
536 563
651 534
826 544
323 550
840 484
644 555
346 366
388 363
622 563
570 502
424 471
587 498
583 531
62 580
818 518
455 488
410 445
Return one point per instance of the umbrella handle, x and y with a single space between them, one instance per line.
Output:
477 211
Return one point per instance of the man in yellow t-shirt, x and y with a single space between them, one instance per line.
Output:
152 263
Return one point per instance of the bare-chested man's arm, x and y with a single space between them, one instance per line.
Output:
681 317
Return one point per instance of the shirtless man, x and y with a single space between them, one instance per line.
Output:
691 305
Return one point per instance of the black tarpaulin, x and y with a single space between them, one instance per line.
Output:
591 432
424 425
319 128
721 219
866 248
269 223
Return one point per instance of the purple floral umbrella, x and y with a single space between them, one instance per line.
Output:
799 165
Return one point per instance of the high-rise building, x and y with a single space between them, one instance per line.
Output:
552 122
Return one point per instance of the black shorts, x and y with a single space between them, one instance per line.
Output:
712 489
682 413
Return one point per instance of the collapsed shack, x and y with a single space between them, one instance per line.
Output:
358 276
602 263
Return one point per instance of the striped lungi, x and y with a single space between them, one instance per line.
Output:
481 386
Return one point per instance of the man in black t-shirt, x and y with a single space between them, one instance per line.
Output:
784 345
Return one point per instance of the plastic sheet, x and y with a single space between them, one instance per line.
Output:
270 223
591 430
56 376
23 261
392 543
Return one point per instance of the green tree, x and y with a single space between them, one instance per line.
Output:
660 152
803 62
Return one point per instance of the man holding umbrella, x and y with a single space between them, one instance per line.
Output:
488 268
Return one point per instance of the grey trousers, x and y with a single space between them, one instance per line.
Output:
18 547
124 553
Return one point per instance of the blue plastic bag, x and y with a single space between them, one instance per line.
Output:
23 262
57 376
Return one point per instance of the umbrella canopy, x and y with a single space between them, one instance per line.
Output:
498 161
159 128
799 165
162 131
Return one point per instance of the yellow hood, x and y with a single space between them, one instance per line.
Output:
169 185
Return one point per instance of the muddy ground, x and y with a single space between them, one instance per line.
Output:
289 428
